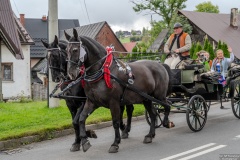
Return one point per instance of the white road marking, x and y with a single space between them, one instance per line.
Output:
203 152
238 136
190 151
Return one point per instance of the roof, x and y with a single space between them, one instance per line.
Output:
38 30
8 29
158 41
90 30
40 65
129 46
216 26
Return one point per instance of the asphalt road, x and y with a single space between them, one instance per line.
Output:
220 138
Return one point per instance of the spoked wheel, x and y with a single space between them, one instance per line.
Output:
235 99
159 110
196 113
208 104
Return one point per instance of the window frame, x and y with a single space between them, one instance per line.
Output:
3 66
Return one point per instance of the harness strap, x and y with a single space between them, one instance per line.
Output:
139 92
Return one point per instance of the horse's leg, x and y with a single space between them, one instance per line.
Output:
122 125
73 111
89 107
152 114
166 122
115 112
127 129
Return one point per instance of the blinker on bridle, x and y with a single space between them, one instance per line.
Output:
81 54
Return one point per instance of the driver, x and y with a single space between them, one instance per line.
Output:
179 42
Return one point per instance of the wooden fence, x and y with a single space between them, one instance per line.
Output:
39 91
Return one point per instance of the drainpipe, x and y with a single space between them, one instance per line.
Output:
1 95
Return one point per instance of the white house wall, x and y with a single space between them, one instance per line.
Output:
21 84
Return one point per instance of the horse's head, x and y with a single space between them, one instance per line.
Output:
76 54
56 59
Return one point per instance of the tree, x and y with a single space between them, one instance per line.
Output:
207 7
156 29
164 8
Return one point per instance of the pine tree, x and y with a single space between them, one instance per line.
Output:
211 52
197 49
192 49
219 45
225 50
206 44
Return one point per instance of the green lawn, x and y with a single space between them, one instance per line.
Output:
125 40
23 119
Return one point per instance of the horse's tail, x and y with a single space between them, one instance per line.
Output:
170 78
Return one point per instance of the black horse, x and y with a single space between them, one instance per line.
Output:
58 65
150 77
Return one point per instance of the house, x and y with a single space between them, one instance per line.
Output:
224 27
101 32
129 46
38 29
15 54
217 27
157 45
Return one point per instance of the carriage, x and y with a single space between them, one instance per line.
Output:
186 89
193 95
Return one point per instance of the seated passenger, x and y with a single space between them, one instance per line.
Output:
203 58
220 64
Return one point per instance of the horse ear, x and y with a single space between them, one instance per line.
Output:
67 35
46 45
75 34
56 40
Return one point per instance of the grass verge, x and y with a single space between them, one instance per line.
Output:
35 118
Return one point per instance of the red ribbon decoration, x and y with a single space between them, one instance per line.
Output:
82 69
106 66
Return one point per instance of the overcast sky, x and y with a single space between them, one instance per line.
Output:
118 13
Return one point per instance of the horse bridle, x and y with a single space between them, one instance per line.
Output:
60 68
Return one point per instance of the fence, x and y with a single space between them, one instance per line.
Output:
39 91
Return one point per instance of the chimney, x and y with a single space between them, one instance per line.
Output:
234 18
44 18
22 19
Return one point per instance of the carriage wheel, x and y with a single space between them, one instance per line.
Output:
235 100
159 110
196 113
208 104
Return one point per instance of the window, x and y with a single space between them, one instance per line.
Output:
7 71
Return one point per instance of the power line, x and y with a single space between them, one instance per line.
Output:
87 12
16 6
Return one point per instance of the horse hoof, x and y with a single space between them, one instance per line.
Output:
75 147
124 135
113 149
169 125
147 140
86 146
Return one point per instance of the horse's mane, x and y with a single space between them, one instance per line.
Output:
91 43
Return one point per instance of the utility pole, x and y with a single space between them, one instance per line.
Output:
52 31
1 95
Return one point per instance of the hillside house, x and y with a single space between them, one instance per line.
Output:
15 54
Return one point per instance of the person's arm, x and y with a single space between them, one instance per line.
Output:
188 44
166 46
231 59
